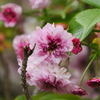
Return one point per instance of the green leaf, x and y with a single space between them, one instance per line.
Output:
95 3
83 23
75 28
59 97
21 97
94 46
54 96
38 96
51 96
88 19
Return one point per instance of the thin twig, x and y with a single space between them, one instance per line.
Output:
82 77
27 53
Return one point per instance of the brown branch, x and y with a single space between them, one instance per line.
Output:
27 53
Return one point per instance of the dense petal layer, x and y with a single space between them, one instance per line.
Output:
94 82
52 43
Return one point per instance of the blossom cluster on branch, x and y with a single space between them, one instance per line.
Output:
41 52
53 44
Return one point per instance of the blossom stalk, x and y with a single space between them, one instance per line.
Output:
86 69
96 70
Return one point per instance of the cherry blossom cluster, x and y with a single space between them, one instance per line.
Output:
53 44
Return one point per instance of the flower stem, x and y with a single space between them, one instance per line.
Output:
96 70
85 44
95 30
82 77
27 53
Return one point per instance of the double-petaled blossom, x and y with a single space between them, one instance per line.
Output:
39 4
77 46
52 43
94 82
79 91
19 43
10 14
48 77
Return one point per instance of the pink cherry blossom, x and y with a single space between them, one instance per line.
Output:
19 43
39 4
77 46
79 91
52 43
10 14
94 82
49 77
